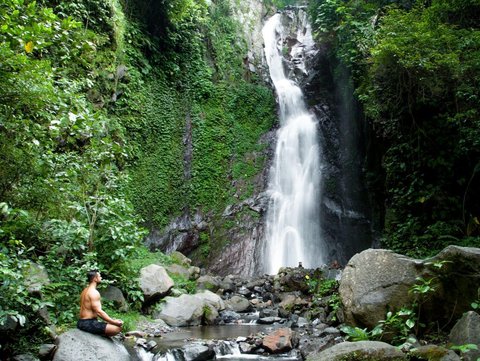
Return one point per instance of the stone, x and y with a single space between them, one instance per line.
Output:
197 352
208 282
25 357
212 299
46 351
155 283
76 345
180 258
229 316
309 344
434 353
467 331
377 280
279 341
190 310
176 269
114 294
268 320
361 350
238 304
35 278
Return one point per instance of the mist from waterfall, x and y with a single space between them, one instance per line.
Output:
293 229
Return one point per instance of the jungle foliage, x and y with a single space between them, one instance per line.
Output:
416 68
95 101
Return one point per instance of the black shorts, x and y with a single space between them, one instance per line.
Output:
92 325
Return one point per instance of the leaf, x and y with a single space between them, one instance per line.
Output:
29 47
410 323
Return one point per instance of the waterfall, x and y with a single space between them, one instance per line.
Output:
293 230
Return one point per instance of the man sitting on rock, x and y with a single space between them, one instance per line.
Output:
91 308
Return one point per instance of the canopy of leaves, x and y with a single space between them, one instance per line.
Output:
416 67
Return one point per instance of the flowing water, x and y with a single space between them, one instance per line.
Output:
293 229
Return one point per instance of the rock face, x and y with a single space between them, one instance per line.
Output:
361 350
375 281
154 282
465 331
76 345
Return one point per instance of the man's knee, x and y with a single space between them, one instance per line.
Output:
112 330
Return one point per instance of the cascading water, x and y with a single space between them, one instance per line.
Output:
293 229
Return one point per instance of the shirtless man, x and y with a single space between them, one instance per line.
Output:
91 308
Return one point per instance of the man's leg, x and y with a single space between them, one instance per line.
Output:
112 330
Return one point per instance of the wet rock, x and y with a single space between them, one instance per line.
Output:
281 340
361 350
268 320
245 347
176 269
198 352
229 316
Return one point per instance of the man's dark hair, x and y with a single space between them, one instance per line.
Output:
91 275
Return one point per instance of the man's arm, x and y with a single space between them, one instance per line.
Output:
97 308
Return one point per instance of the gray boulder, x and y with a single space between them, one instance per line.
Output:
197 352
238 304
207 282
361 350
155 283
180 258
190 310
378 280
114 294
467 331
76 345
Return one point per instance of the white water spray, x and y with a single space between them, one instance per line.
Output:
293 230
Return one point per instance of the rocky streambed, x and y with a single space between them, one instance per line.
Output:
300 314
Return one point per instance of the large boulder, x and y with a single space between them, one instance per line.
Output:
361 350
190 310
377 280
115 295
239 304
76 345
467 331
155 283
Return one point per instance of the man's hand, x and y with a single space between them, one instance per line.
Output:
118 323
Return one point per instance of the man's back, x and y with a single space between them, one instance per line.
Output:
89 294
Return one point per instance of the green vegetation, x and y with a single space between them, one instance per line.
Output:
415 69
95 103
